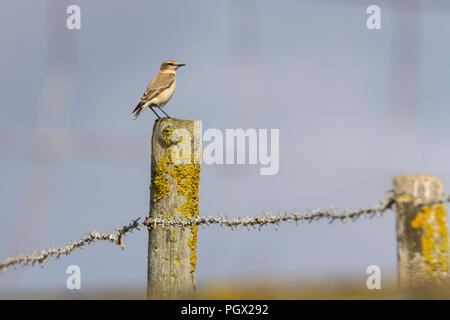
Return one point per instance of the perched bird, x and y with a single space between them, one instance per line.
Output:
160 89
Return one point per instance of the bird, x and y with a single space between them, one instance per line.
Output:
160 89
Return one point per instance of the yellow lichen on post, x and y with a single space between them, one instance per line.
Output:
187 177
422 235
431 225
192 243
174 195
161 182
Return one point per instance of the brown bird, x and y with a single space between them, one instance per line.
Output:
160 89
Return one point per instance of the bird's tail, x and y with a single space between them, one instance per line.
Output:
137 111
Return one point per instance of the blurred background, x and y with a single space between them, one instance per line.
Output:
355 107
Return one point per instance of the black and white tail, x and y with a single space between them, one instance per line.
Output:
137 111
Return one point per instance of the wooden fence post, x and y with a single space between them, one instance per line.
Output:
175 175
422 237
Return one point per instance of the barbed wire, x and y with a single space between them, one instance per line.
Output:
332 214
90 237
268 218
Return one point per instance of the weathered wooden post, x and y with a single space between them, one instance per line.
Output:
421 231
175 175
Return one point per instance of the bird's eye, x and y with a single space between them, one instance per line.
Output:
170 64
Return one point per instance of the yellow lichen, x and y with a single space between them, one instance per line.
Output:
161 182
187 178
432 225
192 243
404 198
166 135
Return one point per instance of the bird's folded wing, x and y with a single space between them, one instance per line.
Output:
160 83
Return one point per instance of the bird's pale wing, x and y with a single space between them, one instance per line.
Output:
160 83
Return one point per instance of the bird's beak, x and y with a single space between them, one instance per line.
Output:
181 65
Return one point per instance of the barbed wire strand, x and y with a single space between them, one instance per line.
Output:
331 214
268 218
88 238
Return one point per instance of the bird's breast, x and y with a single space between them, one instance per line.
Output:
165 96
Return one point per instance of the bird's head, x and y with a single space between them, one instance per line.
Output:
171 65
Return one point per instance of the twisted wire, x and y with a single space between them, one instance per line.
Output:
267 218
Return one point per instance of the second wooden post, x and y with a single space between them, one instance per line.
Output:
175 175
421 231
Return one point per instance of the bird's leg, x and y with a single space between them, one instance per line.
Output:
155 113
164 112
